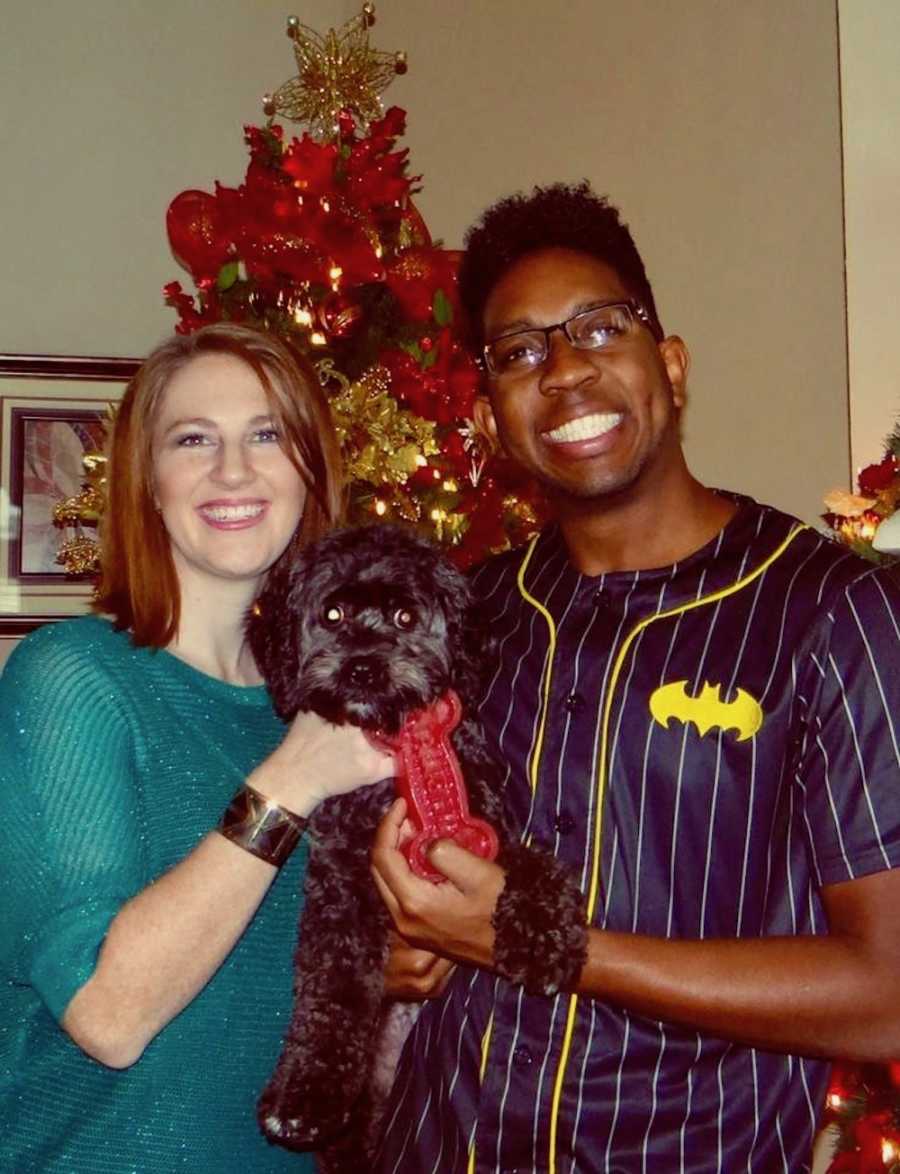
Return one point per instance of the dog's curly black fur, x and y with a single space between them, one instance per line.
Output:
368 625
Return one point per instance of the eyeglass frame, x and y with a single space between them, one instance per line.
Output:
634 308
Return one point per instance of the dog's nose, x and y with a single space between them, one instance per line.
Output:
362 672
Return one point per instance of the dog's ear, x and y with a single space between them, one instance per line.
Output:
471 642
273 632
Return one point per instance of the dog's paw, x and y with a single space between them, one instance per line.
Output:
302 1124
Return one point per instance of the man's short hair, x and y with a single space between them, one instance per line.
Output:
562 216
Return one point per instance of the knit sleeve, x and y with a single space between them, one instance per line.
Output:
70 842
850 769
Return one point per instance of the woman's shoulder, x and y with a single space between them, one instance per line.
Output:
81 648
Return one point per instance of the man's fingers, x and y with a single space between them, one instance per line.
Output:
391 902
388 832
462 868
421 975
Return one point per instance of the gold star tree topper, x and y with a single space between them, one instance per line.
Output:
336 71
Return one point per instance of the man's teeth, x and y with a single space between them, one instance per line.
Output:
232 513
585 427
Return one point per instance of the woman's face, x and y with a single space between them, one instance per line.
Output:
229 497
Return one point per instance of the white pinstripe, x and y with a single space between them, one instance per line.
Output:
810 790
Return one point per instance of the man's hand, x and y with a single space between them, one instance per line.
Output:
415 974
452 918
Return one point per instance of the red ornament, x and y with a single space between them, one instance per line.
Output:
197 236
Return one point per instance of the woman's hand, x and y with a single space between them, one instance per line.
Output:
316 760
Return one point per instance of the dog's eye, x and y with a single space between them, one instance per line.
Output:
404 619
333 615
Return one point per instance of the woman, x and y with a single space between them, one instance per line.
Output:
145 936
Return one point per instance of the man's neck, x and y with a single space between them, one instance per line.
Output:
640 533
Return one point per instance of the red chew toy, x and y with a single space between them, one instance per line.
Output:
428 777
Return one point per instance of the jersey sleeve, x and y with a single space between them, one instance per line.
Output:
850 767
70 822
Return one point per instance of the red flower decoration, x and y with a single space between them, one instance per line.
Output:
874 478
416 275
376 180
311 165
385 130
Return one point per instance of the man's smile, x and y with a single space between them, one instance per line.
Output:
590 427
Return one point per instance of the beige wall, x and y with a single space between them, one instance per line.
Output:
109 109
870 95
713 123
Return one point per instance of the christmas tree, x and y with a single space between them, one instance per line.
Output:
863 1104
322 243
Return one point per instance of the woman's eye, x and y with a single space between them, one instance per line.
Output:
192 440
266 436
333 615
404 619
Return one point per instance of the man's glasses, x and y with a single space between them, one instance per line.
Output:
525 350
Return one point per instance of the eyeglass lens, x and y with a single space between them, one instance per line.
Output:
591 330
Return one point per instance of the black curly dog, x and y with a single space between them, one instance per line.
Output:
368 625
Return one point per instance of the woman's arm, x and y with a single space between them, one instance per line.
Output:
167 942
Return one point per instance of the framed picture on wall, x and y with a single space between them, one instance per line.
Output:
52 411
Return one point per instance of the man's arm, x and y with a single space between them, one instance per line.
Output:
830 995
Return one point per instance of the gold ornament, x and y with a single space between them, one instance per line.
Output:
336 71
79 552
79 555
382 443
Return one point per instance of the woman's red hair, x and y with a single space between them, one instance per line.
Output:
138 583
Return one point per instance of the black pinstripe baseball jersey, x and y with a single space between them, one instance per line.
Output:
705 745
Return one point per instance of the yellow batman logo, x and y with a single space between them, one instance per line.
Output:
707 711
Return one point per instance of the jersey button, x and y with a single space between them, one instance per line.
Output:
522 1056
599 598
573 702
564 823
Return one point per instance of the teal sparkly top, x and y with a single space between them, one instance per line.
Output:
115 762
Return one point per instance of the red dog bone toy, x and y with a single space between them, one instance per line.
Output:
428 777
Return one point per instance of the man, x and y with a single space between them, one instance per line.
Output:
695 703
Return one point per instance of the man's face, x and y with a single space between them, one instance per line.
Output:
586 423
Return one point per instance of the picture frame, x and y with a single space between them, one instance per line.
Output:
52 409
